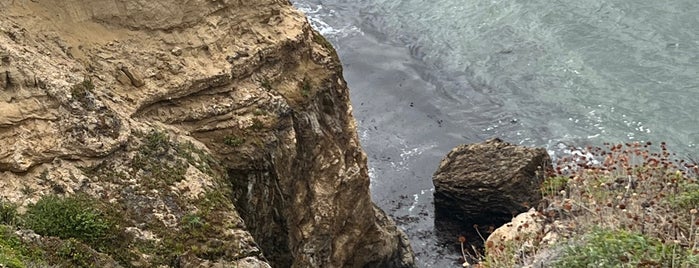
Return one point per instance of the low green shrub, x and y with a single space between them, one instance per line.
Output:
306 87
620 248
688 196
82 90
8 213
10 249
553 185
70 217
157 159
266 84
75 254
155 144
14 253
257 124
233 141
192 221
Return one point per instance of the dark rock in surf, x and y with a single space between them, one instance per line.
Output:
490 182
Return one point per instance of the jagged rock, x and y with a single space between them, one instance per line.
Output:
191 260
134 77
526 229
248 133
490 182
528 239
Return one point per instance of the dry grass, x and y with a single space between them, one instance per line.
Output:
634 204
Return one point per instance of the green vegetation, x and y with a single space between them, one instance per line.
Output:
553 185
13 252
266 84
621 248
82 90
156 159
71 217
630 205
71 228
233 141
155 143
306 87
196 157
81 231
257 124
8 213
259 112
687 197
192 221
203 233
73 253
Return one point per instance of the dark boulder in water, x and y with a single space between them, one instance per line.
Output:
488 183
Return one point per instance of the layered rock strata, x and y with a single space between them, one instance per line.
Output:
235 112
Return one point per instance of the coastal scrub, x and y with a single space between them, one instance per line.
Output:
624 205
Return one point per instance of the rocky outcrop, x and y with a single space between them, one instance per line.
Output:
528 240
230 113
490 182
524 228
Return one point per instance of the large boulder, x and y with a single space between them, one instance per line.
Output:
490 182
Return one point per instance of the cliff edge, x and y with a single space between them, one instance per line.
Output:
209 133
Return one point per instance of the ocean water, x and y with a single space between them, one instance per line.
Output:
425 76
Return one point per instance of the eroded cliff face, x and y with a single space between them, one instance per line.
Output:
233 112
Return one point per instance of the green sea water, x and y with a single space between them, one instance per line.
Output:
562 70
603 70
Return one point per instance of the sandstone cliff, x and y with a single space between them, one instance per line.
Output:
220 131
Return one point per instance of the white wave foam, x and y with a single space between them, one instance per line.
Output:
318 16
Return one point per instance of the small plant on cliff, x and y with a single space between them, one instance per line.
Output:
266 84
192 221
553 185
196 157
233 141
155 143
70 217
82 90
8 213
157 159
83 93
72 252
257 124
14 253
306 87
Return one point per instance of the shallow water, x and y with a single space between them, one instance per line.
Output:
425 76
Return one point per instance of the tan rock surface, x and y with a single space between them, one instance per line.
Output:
154 105
523 233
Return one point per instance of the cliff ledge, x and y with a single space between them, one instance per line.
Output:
211 133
